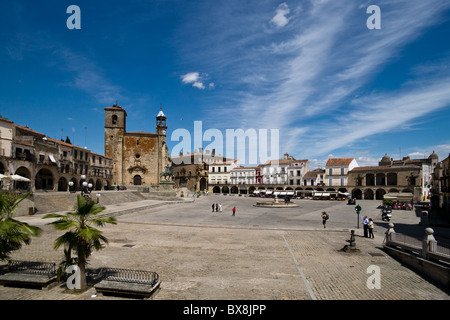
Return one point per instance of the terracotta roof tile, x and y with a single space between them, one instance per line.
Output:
339 162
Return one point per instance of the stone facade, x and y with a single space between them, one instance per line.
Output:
48 163
427 166
444 201
374 182
138 157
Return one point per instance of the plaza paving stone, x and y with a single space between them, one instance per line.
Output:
261 253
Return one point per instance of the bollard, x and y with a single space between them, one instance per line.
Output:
429 243
388 233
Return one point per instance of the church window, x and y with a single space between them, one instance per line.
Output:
114 119
137 155
137 142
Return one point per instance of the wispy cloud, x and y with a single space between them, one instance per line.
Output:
311 83
88 77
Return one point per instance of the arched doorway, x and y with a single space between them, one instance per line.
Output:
203 184
368 194
137 180
234 190
74 183
62 184
357 193
216 189
22 185
379 194
44 180
98 184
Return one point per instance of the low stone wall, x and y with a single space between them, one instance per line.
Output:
435 271
47 202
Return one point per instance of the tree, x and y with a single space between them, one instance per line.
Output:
13 233
81 236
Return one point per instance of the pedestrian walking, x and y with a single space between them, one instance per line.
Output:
213 207
220 207
217 207
370 227
325 217
234 211
366 226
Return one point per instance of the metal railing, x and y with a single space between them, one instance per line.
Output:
129 276
33 267
427 248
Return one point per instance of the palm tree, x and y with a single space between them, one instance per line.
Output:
13 233
81 236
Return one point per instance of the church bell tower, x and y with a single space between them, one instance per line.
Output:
161 126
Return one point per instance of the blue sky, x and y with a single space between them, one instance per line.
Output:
311 69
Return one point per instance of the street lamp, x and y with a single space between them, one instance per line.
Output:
86 190
71 187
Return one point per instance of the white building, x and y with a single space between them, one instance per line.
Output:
6 136
296 170
219 172
284 171
243 175
337 169
314 177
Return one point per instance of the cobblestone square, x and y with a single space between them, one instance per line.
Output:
267 254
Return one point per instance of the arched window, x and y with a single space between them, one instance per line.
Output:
114 119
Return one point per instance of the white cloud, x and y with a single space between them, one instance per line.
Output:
196 80
190 77
280 19
198 84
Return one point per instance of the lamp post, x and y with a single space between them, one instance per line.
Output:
358 211
71 190
86 187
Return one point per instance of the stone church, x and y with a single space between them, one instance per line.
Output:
138 157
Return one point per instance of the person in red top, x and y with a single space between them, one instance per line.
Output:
234 211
